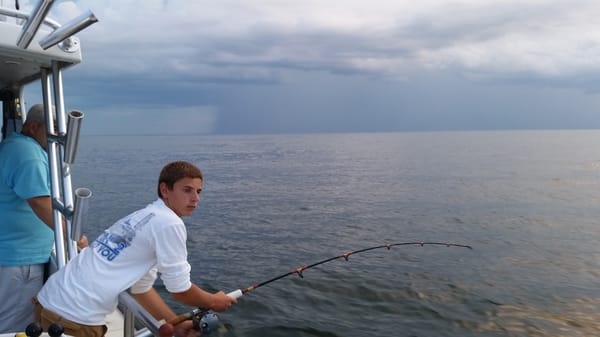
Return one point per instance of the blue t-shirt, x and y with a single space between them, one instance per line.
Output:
24 238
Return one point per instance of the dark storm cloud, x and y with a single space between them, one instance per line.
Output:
340 66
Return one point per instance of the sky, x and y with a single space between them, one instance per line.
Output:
280 66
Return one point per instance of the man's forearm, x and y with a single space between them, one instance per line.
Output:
195 296
154 304
42 207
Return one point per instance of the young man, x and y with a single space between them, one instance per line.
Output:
128 255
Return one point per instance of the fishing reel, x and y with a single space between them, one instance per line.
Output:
205 321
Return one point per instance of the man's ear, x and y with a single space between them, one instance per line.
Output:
164 190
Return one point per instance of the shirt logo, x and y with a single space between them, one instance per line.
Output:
118 237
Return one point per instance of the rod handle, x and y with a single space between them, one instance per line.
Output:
188 315
235 294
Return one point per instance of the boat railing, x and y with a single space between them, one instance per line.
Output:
133 312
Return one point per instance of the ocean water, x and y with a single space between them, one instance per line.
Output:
526 201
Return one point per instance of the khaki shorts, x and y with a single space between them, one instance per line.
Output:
46 317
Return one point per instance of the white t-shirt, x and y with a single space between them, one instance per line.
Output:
127 255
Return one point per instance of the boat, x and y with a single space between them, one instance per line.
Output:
37 49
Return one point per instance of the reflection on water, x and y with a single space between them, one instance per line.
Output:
579 317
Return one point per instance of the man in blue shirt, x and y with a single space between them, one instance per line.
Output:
26 224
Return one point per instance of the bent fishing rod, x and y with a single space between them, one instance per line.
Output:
240 292
204 314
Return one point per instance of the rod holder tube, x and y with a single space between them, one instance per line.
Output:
73 127
82 204
69 29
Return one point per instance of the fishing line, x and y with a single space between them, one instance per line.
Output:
205 318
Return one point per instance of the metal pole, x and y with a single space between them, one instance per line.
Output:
66 168
53 165
33 23
144 316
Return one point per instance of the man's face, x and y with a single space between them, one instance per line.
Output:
40 134
184 196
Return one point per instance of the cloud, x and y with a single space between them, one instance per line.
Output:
279 65
551 39
261 39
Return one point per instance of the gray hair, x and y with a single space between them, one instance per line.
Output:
36 114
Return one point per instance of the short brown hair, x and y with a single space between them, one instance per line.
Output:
174 171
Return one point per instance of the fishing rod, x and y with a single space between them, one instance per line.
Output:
240 292
206 321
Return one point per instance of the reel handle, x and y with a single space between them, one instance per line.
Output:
204 321
179 318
